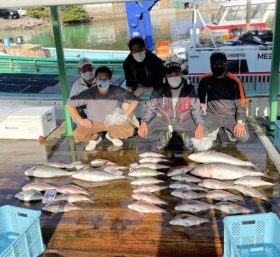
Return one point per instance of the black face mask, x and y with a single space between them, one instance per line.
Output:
218 70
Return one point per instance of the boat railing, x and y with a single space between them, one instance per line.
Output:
254 85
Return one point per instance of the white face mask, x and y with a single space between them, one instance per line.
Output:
103 86
174 81
87 75
140 56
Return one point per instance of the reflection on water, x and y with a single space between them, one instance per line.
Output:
111 35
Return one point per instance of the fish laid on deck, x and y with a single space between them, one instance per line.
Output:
187 220
149 188
60 207
76 165
214 184
73 198
193 206
144 172
223 171
222 195
38 186
187 194
72 189
144 207
153 160
156 166
44 171
29 195
151 154
148 197
247 190
231 208
186 185
145 181
179 170
97 163
217 157
186 178
95 175
252 181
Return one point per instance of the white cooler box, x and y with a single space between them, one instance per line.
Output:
26 122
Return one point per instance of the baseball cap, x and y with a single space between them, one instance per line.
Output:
83 61
218 57
173 64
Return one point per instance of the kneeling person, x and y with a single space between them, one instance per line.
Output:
101 101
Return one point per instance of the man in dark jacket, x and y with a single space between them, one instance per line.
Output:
143 70
173 107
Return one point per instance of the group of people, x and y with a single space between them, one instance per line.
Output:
174 105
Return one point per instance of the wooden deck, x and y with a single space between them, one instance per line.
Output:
107 228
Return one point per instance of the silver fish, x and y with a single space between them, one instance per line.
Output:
186 194
151 165
193 206
72 189
247 190
186 185
252 181
186 178
60 165
145 181
211 156
222 195
59 207
149 188
73 198
179 170
187 220
153 159
38 186
148 197
44 171
214 184
151 154
231 208
223 171
144 207
29 195
144 172
95 175
97 163
113 169
76 165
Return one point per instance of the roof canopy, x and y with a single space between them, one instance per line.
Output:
35 3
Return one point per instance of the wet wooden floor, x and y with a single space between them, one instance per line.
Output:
107 228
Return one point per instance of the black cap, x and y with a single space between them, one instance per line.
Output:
218 56
173 67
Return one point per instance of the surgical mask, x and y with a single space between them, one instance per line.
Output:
103 83
87 75
174 81
218 70
140 56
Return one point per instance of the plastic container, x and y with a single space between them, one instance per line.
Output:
255 235
277 135
20 232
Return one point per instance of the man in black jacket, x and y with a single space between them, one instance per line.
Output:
143 69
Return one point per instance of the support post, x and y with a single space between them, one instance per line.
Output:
61 66
274 81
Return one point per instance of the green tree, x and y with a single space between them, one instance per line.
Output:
73 13
42 12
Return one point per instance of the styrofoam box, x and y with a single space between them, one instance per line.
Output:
26 122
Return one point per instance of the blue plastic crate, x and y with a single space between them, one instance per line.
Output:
255 235
20 232
277 135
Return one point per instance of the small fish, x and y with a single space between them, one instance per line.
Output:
97 163
148 197
76 165
59 207
179 170
73 198
187 220
186 185
223 171
151 154
72 189
153 160
60 165
231 208
95 175
38 186
193 206
186 194
29 195
214 184
252 182
222 195
149 188
144 172
144 207
186 178
151 165
145 181
44 171
113 170
247 190
211 156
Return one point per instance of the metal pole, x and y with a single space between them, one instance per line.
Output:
248 15
274 82
61 66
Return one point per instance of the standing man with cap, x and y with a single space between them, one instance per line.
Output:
226 102
173 107
143 70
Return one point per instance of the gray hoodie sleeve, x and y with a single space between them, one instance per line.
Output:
196 110
151 108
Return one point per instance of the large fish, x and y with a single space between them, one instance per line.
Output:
193 206
29 195
145 181
231 208
252 181
151 154
214 184
59 207
95 175
223 171
187 220
222 195
217 157
148 197
144 207
38 186
72 189
44 171
186 178
144 172
186 194
247 190
149 188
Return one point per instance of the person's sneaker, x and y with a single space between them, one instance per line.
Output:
230 135
115 141
92 144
